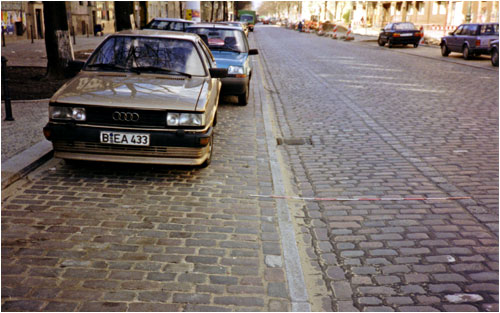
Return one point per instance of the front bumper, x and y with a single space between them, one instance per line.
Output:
81 142
234 85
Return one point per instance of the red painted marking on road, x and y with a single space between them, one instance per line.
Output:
360 199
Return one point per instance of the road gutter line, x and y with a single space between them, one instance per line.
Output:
293 268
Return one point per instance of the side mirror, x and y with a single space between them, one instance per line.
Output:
253 51
451 33
74 67
216 72
381 29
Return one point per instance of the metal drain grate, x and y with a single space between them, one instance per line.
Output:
291 141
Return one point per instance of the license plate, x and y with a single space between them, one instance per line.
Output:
406 34
130 139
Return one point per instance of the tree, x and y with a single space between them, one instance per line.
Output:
123 9
57 40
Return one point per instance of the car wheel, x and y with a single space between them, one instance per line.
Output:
210 152
389 43
466 52
494 57
243 98
380 42
444 50
415 45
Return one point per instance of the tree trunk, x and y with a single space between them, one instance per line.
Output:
57 40
212 11
123 9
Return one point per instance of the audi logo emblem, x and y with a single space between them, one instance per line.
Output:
125 116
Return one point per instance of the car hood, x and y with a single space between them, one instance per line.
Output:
227 58
148 91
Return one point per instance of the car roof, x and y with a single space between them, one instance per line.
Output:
158 33
214 25
480 23
168 19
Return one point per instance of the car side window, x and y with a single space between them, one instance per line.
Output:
388 27
459 30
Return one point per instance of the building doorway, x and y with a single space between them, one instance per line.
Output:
39 29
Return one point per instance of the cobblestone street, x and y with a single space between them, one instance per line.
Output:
325 119
378 123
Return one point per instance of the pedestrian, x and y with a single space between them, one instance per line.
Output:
299 27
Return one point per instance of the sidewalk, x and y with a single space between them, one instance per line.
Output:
23 145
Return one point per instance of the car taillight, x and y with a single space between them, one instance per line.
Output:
478 42
418 34
396 35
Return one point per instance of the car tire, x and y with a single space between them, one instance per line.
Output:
444 50
243 98
494 57
466 52
208 161
380 42
389 43
415 45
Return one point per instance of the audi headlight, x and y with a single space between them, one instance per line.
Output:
185 119
78 114
67 113
235 70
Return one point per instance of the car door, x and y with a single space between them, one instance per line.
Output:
385 33
452 40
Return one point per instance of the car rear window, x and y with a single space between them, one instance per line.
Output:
490 29
404 26
222 39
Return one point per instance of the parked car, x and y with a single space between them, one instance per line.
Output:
229 46
494 52
174 24
244 26
470 39
403 33
143 96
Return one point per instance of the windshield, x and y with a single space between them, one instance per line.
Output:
246 18
490 29
127 54
222 39
404 26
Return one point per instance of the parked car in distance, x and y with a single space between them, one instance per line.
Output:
244 26
470 39
494 52
229 46
402 33
143 96
174 24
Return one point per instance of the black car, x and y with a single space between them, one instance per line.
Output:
494 52
470 39
399 34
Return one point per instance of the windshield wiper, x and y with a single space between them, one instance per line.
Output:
108 66
156 69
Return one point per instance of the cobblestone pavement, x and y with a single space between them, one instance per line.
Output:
100 237
361 121
16 136
25 53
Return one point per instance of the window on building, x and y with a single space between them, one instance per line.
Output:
442 7
410 9
80 2
398 8
420 7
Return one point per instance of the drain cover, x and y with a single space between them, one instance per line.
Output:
292 141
